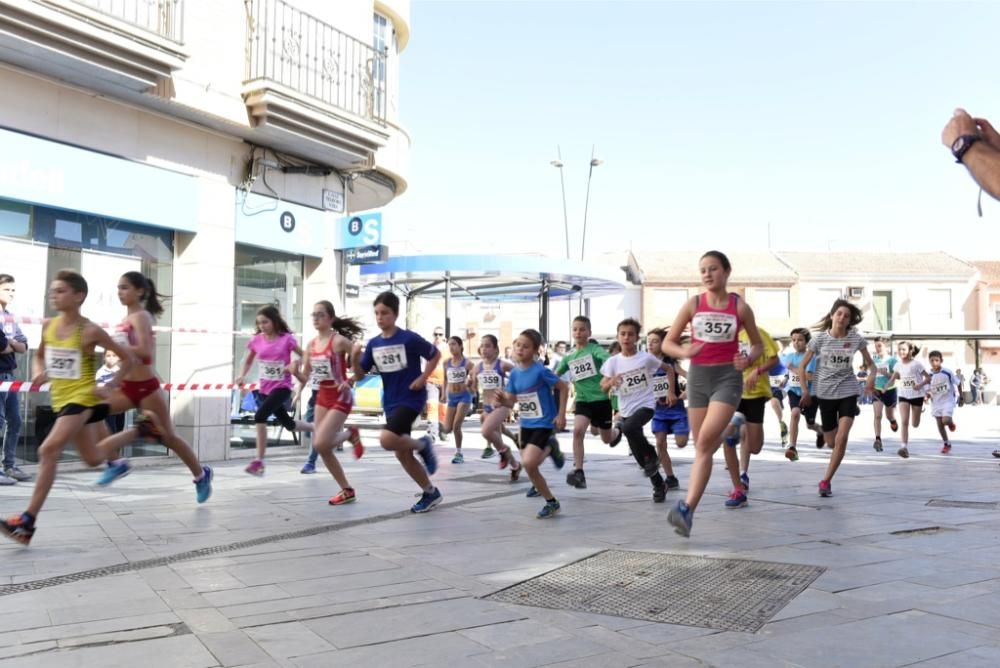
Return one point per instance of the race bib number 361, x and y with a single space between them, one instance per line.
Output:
390 358
714 327
271 369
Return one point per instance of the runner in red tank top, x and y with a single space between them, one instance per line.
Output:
715 380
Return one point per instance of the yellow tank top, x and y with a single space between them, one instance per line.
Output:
70 370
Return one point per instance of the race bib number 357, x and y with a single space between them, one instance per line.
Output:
714 327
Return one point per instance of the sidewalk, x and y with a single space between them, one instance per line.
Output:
267 574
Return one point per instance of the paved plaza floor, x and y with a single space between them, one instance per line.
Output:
905 564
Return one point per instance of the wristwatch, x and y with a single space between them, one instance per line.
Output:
961 145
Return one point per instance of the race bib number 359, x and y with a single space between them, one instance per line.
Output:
390 358
489 381
714 327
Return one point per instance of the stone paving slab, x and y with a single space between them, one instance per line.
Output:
377 586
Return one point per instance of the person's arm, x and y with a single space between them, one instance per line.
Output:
361 362
562 389
251 355
803 373
609 379
672 346
982 159
38 364
872 371
304 370
432 363
672 387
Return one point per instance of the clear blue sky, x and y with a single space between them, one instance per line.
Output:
713 119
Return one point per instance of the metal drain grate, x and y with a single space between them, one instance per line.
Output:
116 569
724 594
947 503
502 478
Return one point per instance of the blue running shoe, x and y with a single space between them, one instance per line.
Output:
680 518
737 499
745 482
308 467
737 421
532 493
548 510
203 487
426 453
427 501
116 469
558 459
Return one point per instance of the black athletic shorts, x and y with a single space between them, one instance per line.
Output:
400 421
808 412
779 394
831 410
538 437
753 409
599 412
99 412
917 402
887 398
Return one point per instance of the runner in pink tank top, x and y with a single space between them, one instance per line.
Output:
717 330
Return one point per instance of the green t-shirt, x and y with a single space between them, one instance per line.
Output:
584 366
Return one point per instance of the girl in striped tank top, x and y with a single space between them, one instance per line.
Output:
715 376
325 369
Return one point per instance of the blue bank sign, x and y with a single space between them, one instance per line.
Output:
359 231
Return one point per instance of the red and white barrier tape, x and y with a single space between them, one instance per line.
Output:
25 386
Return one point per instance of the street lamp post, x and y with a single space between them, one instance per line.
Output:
594 162
558 164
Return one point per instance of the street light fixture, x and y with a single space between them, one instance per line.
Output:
594 162
558 164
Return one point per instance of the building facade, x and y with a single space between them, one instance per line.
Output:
212 145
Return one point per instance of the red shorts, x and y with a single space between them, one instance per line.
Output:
333 399
137 390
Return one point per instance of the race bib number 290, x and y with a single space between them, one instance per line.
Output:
529 406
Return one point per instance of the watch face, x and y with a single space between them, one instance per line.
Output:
958 145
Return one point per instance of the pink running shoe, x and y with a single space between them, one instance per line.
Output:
256 467
355 439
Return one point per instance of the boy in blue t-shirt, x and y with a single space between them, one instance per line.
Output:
396 355
532 385
800 338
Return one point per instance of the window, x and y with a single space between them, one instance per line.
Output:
15 219
882 308
380 42
938 304
770 304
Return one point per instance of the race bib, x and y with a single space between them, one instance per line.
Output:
271 369
633 382
661 384
321 370
390 358
489 381
456 375
910 383
62 363
883 370
777 381
582 368
940 390
793 379
528 405
714 327
838 359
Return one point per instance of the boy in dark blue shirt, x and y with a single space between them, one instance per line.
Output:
396 355
12 341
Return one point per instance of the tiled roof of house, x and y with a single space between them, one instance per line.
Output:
682 267
878 264
989 271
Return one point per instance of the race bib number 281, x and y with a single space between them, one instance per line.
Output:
390 358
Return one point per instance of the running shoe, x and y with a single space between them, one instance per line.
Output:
459 458
680 519
877 444
308 467
19 528
339 447
996 453
116 469
6 480
824 488
427 501
203 487
792 454
20 476
426 453
355 439
555 453
515 472
672 482
532 493
505 459
737 499
745 482
617 437
903 452
946 448
951 427
820 442
488 452
345 496
255 467
577 479
548 510
893 425
659 493
784 432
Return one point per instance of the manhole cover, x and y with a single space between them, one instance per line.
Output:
502 478
724 594
946 503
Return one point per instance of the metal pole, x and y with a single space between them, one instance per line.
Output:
558 163
586 207
447 304
543 312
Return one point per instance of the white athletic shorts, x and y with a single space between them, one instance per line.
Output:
943 410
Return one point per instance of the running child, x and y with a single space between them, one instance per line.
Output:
913 381
715 379
532 385
800 338
457 383
944 397
670 416
778 377
631 372
490 375
325 367
65 357
272 346
885 391
592 408
836 386
396 353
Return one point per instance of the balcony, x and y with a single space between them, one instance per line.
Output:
313 89
108 45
